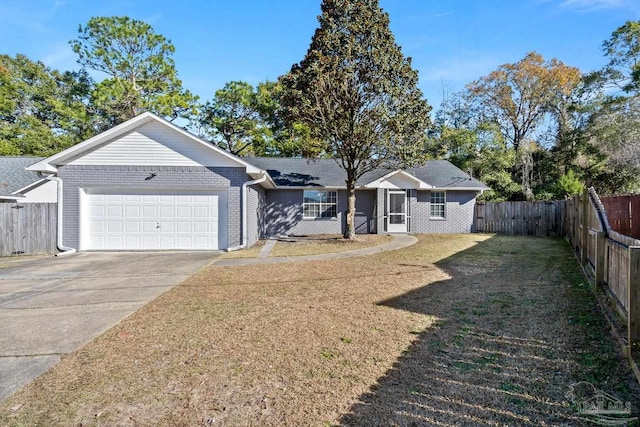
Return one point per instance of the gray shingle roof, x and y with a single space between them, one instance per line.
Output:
291 172
13 175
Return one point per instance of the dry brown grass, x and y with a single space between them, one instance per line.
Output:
311 245
456 330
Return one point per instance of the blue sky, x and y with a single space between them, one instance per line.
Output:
452 42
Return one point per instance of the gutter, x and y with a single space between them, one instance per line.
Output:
262 179
64 250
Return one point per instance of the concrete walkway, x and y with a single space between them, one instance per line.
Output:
399 241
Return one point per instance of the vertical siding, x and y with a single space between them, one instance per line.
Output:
255 221
365 220
381 208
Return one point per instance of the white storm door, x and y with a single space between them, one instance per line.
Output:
152 220
396 211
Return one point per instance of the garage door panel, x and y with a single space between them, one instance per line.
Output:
167 212
115 227
149 226
132 211
132 241
200 226
115 241
202 212
149 211
132 227
184 211
97 226
185 227
152 221
115 198
167 227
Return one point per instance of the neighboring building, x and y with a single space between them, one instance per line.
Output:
147 184
19 185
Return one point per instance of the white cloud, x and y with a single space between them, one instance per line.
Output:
593 5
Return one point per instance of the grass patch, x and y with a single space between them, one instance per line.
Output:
456 330
314 245
311 245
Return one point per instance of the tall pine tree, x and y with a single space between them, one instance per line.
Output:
358 94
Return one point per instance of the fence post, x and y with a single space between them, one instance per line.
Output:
600 245
633 294
584 235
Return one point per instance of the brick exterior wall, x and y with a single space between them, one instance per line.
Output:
167 177
458 211
284 214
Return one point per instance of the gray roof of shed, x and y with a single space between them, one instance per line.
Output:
13 175
295 172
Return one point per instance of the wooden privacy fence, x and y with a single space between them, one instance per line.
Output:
613 258
542 219
28 228
623 213
610 256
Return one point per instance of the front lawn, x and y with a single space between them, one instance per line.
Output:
455 330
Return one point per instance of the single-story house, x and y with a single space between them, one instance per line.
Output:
148 184
19 185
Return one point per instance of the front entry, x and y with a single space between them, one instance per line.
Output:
396 211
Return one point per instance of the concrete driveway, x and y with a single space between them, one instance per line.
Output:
53 306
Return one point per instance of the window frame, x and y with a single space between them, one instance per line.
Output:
321 206
442 204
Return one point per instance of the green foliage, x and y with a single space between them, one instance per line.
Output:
42 111
569 184
623 51
140 69
519 99
357 93
247 121
232 121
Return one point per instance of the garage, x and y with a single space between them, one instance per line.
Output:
118 219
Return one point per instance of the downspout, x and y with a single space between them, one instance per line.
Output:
245 226
64 250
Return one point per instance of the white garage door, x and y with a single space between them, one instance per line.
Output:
148 220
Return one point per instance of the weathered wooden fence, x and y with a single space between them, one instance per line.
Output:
28 228
542 219
624 214
613 258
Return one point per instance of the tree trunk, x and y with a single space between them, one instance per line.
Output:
350 229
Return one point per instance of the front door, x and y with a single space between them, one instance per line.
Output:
396 211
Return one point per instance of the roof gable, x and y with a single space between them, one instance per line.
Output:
14 176
398 179
145 139
153 144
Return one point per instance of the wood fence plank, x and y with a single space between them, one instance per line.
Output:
28 228
633 289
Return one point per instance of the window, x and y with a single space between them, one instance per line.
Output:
320 204
438 202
